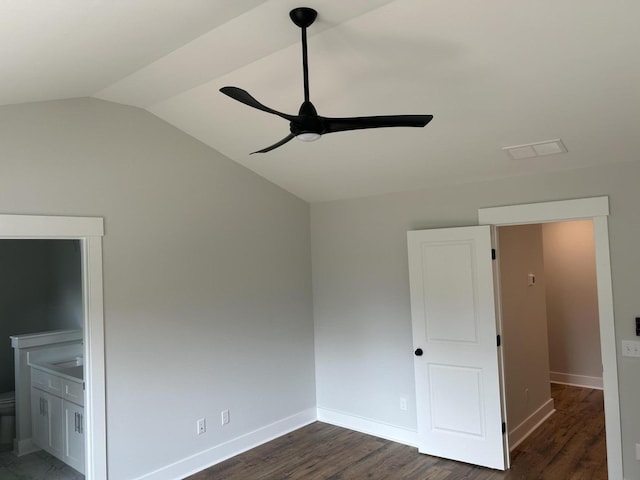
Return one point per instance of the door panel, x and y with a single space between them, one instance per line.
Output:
459 402
450 311
464 416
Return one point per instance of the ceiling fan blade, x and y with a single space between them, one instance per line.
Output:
276 145
356 123
243 96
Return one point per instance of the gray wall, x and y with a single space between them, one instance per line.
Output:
66 285
572 298
524 322
207 283
364 360
40 290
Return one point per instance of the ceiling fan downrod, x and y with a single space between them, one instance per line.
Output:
304 17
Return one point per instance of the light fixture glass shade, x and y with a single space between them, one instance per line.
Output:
308 137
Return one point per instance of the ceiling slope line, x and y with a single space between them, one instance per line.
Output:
206 58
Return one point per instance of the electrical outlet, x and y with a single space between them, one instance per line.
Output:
630 348
403 403
201 425
224 417
637 451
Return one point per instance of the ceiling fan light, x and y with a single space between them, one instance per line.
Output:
308 137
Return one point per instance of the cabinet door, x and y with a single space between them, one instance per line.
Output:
39 424
46 418
54 418
74 435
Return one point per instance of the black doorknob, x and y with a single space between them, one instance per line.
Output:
418 352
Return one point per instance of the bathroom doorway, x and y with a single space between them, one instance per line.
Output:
40 291
88 232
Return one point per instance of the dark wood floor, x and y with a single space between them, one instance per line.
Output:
568 446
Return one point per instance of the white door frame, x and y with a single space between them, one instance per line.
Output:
597 210
89 231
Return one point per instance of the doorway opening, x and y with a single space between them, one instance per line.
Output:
597 210
88 232
40 290
454 303
550 324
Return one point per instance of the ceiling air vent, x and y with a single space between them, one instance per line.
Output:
538 149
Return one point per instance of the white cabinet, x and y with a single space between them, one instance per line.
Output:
57 416
73 435
46 421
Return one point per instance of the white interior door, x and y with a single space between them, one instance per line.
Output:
458 389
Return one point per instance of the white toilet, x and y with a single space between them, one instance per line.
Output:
7 417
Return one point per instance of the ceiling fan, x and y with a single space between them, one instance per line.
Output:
308 125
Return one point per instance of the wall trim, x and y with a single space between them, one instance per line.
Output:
214 455
583 381
40 226
24 447
564 210
533 421
219 453
368 426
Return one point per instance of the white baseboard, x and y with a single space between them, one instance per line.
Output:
24 447
576 380
224 451
370 427
533 421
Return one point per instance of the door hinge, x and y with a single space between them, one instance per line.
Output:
493 254
499 340
504 428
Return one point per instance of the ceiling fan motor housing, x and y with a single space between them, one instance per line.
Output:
308 121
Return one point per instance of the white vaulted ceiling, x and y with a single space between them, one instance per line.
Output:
494 73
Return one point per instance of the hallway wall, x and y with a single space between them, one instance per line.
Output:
524 323
572 303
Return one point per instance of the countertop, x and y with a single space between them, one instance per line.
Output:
68 369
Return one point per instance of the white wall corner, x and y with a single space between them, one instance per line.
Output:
368 426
